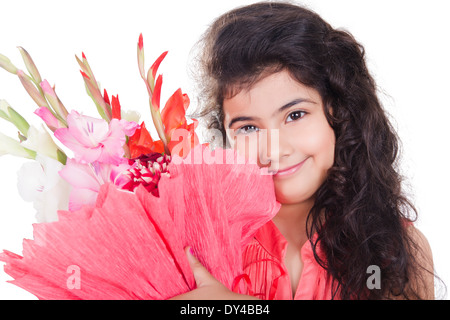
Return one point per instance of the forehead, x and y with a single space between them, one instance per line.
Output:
268 95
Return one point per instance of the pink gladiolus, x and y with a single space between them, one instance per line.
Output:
53 99
47 88
94 139
86 180
50 120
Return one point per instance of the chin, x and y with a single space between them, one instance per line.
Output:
290 197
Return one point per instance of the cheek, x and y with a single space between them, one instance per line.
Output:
246 145
320 144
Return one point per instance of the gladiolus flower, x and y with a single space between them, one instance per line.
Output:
10 146
188 141
94 139
86 180
106 97
53 99
156 98
142 143
174 112
154 68
50 120
41 142
175 125
40 183
116 109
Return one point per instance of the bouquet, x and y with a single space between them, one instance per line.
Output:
127 205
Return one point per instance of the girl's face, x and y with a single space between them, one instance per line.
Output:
281 124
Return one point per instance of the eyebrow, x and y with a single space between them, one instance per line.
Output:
284 107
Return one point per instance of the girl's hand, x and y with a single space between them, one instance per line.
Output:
208 287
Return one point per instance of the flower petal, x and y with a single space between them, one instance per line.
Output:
173 113
128 127
116 109
80 175
81 197
30 181
50 120
156 64
156 98
87 130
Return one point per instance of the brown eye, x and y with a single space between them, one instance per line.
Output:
295 116
247 129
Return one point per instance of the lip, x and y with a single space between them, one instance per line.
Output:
290 170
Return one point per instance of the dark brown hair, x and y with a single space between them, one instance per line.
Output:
360 211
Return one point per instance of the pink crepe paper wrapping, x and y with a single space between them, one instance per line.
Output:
131 245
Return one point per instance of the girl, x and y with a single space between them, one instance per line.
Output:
344 230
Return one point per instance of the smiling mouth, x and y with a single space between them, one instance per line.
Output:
290 170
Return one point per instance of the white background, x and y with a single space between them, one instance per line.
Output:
406 42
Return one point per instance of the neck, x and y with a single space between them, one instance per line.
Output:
291 221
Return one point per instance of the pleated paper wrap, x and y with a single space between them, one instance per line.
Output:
131 245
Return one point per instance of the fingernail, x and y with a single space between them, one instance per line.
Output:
191 251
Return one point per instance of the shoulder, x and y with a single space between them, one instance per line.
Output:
423 258
418 236
423 251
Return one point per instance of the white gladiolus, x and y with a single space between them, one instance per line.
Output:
41 142
131 116
10 146
39 182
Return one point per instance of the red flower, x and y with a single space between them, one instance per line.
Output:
141 143
116 109
157 93
147 170
181 137
114 104
170 123
175 125
155 65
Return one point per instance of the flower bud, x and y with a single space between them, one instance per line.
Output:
6 64
49 118
140 56
53 99
11 115
13 147
31 67
31 89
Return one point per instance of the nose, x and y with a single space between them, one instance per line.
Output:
273 147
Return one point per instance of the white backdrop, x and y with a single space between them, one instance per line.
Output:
407 51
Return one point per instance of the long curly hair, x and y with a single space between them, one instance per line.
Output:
360 213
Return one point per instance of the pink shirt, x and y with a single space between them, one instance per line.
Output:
265 274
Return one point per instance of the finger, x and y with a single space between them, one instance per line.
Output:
201 275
